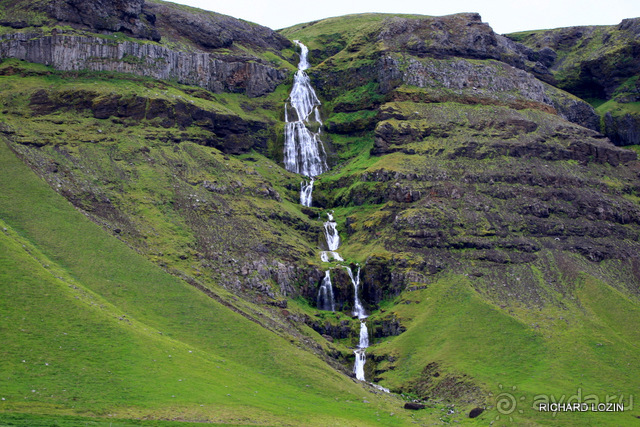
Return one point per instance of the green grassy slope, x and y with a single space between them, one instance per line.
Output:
90 327
164 189
583 345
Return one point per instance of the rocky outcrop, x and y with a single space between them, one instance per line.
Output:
490 83
436 382
388 326
491 78
145 20
344 329
198 47
125 16
380 282
459 35
455 58
573 109
510 133
209 30
595 60
76 53
622 129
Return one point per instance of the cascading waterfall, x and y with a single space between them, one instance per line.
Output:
333 240
331 233
306 190
303 151
361 357
358 310
304 154
325 294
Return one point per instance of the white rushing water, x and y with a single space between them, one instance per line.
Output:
306 190
333 240
359 311
303 150
327 256
331 234
361 357
325 294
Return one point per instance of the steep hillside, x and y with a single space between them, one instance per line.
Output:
491 227
496 229
90 327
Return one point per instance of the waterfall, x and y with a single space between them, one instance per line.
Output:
325 294
306 189
303 150
333 240
361 357
358 309
304 154
331 233
363 343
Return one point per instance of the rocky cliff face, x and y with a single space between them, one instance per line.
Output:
468 136
227 132
461 35
98 15
197 63
597 63
452 58
591 62
86 53
210 31
122 15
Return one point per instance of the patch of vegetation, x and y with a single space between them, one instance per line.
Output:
619 109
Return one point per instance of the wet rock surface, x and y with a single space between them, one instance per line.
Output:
622 130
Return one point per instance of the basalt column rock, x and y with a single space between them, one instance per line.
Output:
75 53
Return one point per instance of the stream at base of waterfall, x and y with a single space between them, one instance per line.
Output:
304 154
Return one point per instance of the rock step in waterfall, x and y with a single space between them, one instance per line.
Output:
333 243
